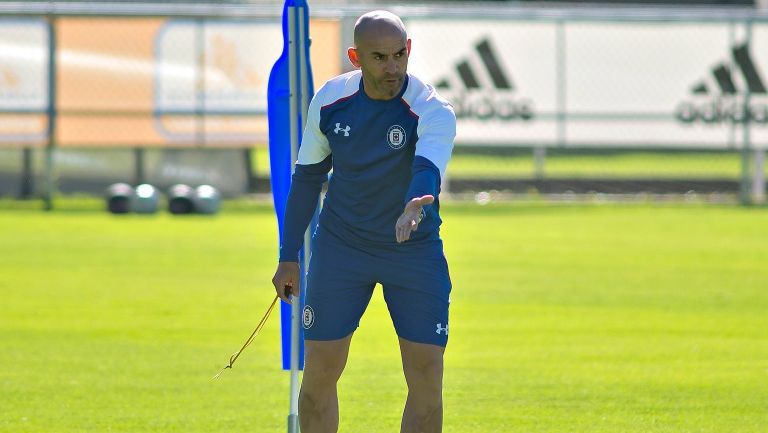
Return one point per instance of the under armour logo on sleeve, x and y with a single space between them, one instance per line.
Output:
339 129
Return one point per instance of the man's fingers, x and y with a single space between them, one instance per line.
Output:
408 229
285 293
404 229
424 200
413 228
283 288
286 280
409 220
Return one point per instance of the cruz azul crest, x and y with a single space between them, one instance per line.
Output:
396 136
308 317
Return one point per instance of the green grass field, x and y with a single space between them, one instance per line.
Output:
565 318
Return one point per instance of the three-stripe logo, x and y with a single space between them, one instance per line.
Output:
724 76
724 93
484 96
492 66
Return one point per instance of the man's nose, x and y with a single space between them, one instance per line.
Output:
391 66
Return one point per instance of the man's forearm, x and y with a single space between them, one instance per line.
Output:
307 182
425 180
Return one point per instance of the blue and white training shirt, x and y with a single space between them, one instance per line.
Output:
383 153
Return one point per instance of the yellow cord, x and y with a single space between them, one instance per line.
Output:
255 332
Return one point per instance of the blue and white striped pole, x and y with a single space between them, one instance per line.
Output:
289 91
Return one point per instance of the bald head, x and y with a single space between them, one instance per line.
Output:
378 24
381 52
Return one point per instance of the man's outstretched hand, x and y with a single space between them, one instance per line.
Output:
286 280
411 217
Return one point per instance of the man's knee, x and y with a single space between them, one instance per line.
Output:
325 360
425 389
423 366
429 368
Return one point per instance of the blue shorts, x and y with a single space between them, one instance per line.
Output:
342 276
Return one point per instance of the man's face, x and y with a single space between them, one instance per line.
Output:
383 60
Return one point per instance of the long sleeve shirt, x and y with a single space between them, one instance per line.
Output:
382 153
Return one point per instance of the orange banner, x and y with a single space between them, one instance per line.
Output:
167 82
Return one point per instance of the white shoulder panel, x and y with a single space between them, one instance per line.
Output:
342 86
314 144
437 122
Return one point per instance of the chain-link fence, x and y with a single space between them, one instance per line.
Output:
550 100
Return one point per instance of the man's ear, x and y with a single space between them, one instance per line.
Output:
352 54
408 46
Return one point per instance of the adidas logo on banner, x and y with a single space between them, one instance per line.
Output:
724 101
484 97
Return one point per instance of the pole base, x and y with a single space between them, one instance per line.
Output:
293 424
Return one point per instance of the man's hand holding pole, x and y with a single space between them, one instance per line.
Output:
286 280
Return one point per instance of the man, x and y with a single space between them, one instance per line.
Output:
388 138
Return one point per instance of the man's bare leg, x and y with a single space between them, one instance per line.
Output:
318 401
423 368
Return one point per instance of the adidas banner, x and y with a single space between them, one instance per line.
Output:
592 84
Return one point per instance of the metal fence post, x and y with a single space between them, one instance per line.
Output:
27 189
758 178
745 194
139 171
49 148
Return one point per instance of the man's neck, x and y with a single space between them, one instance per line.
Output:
367 88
